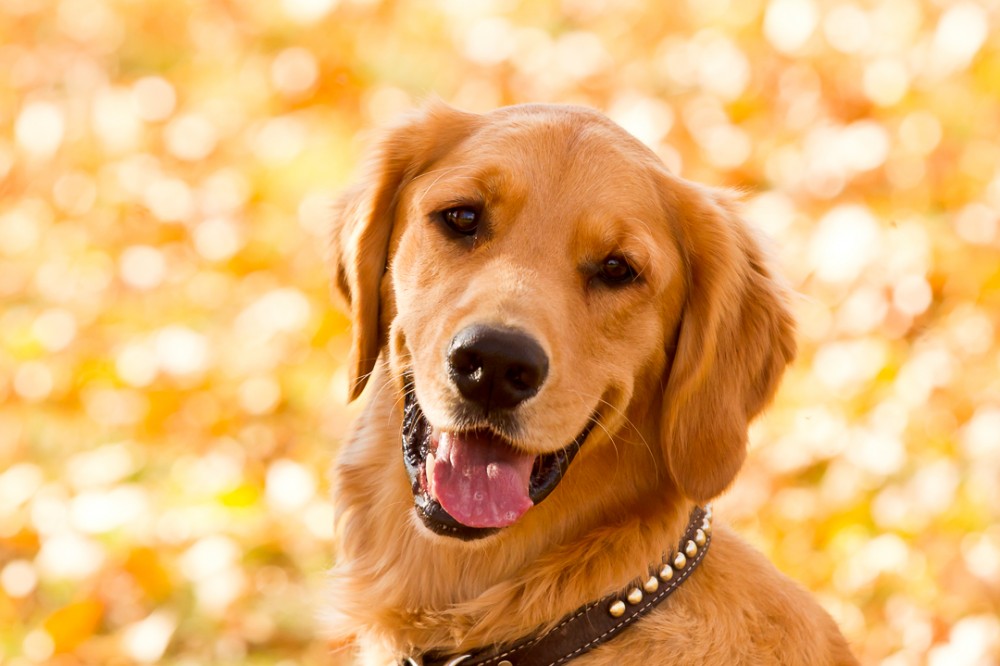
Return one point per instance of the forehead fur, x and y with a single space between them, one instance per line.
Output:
559 167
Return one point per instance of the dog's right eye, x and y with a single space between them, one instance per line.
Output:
462 220
616 270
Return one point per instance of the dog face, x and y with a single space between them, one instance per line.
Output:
536 280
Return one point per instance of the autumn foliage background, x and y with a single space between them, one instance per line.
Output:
171 381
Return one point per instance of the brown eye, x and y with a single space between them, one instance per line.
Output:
616 270
461 219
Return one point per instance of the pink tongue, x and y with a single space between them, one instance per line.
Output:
479 481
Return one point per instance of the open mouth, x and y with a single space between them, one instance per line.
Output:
472 484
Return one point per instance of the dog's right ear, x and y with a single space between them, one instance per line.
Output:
363 221
734 341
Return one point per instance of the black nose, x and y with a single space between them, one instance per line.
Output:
496 368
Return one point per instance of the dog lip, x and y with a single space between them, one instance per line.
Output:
416 439
440 521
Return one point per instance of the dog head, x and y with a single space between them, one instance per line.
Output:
537 281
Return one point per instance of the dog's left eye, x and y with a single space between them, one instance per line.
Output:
462 220
615 269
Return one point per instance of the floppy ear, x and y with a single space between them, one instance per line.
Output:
363 222
735 339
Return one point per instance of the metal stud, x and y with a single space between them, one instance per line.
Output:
706 525
690 549
666 573
680 561
699 537
504 663
634 596
458 660
617 609
651 585
708 511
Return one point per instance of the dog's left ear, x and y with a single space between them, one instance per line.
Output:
363 222
735 339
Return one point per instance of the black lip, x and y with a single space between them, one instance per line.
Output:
416 432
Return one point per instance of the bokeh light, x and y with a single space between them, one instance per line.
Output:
171 369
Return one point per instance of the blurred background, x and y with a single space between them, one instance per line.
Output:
171 381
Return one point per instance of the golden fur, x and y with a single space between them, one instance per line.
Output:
676 365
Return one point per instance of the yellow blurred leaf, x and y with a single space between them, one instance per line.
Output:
73 624
147 569
243 495
24 540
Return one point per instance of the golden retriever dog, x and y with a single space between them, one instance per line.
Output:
563 345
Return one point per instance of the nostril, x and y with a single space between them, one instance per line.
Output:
522 378
466 362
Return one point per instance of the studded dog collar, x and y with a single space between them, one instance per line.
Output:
598 621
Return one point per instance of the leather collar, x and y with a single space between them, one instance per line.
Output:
598 621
